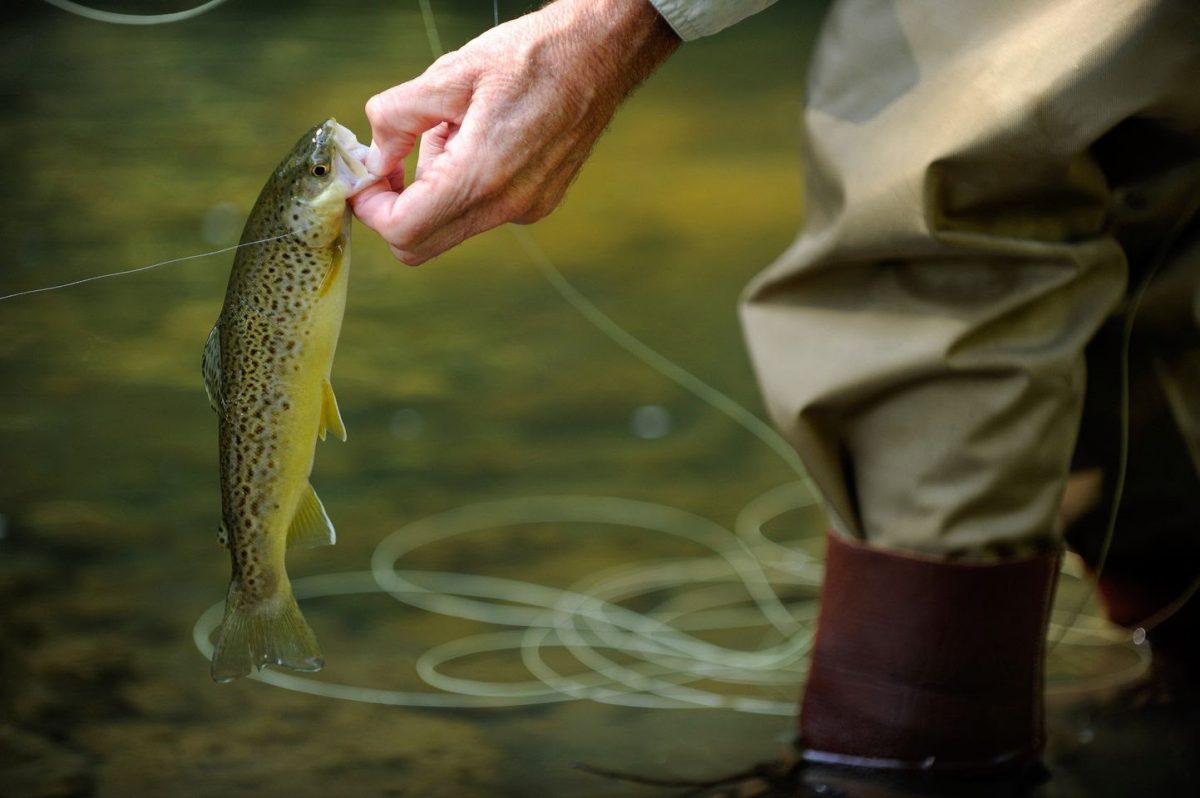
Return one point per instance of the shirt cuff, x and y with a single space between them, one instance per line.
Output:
692 19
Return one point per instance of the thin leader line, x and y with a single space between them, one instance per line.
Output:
96 277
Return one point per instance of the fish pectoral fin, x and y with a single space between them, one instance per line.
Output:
310 526
257 634
331 417
340 256
210 367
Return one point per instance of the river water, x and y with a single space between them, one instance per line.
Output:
469 382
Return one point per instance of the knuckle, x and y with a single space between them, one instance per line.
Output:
443 62
534 213
533 203
399 241
513 207
375 105
406 256
376 109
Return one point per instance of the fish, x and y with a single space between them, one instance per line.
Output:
266 366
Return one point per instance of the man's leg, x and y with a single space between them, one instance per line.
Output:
921 344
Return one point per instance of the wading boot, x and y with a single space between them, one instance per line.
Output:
925 665
1148 580
1148 568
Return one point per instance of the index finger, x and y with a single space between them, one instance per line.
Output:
401 114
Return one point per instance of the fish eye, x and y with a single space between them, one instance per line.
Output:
320 169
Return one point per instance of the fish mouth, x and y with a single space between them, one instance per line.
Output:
349 155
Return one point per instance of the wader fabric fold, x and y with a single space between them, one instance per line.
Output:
982 178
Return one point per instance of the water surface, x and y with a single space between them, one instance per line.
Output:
465 381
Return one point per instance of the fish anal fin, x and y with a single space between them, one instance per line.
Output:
257 634
331 417
310 525
210 367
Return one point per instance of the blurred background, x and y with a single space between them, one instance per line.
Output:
467 380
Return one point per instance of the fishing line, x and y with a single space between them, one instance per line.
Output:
729 591
672 371
1172 236
657 656
96 277
114 18
431 31
584 618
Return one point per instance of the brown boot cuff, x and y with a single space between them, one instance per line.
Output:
927 665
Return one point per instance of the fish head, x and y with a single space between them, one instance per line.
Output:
322 171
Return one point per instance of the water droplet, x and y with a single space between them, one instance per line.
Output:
650 422
406 424
1139 636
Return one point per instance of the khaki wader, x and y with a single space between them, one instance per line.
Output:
982 180
985 181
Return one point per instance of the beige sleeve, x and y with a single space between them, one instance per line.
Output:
692 19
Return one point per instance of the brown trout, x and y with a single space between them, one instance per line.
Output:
266 369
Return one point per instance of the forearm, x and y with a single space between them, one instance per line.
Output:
618 43
625 32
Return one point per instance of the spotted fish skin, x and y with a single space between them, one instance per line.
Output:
267 366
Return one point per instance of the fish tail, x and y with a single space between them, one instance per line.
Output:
260 633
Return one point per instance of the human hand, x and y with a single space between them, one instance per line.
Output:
505 123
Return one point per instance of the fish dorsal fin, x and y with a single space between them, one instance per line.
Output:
311 526
331 417
210 367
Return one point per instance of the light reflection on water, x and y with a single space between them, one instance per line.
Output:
466 381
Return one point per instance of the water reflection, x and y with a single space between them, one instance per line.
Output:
650 421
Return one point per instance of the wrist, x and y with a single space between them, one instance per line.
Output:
626 38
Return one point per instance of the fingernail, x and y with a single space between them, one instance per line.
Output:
374 160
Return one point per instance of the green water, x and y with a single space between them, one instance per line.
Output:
463 381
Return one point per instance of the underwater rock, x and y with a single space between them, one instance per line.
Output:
32 766
275 743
